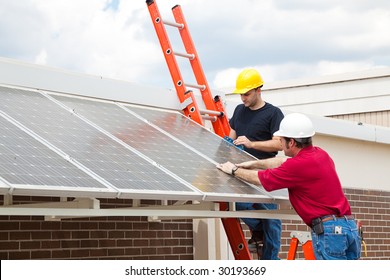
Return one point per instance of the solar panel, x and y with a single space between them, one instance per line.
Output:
130 174
189 132
27 164
134 151
209 144
184 160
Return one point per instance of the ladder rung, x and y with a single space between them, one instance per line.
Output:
190 56
174 24
211 112
210 118
201 87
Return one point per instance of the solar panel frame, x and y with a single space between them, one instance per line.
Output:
29 173
215 148
203 157
108 120
182 191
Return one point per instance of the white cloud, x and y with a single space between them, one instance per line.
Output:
331 67
41 58
116 39
226 78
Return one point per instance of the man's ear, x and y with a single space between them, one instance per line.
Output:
292 141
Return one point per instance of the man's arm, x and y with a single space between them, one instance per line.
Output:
262 163
273 145
232 133
247 175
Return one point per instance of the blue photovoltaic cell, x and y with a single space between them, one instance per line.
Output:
173 155
105 157
25 161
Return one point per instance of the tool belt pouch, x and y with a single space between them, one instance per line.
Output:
318 226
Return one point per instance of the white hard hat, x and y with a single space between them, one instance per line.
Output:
295 125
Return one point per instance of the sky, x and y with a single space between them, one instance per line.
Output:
282 39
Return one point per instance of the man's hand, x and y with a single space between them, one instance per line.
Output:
226 167
243 140
247 175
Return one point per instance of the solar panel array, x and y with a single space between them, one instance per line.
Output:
25 161
67 145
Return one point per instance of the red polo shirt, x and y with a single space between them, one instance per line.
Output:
313 184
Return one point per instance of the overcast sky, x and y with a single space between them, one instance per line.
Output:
283 39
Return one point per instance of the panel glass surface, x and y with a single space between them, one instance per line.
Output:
209 144
119 166
171 154
26 161
194 135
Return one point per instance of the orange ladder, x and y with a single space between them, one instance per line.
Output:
215 110
304 238
214 105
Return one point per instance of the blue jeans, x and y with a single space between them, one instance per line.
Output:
340 241
271 228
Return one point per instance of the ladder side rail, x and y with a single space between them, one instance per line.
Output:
221 126
293 249
191 109
308 250
235 235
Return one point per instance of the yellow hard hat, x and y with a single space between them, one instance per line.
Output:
248 79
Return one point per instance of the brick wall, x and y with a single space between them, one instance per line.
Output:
26 237
31 237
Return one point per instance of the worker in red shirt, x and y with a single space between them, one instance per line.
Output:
313 185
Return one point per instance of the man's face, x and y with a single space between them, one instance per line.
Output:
286 146
250 98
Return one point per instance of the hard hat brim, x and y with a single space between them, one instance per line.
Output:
238 91
280 133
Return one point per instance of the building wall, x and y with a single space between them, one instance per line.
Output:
96 238
135 238
381 118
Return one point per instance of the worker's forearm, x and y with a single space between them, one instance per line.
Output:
271 162
233 134
267 146
262 163
248 175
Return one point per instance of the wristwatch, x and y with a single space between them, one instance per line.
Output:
234 170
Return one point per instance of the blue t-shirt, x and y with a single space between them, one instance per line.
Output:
257 125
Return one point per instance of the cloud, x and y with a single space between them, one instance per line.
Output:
116 38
